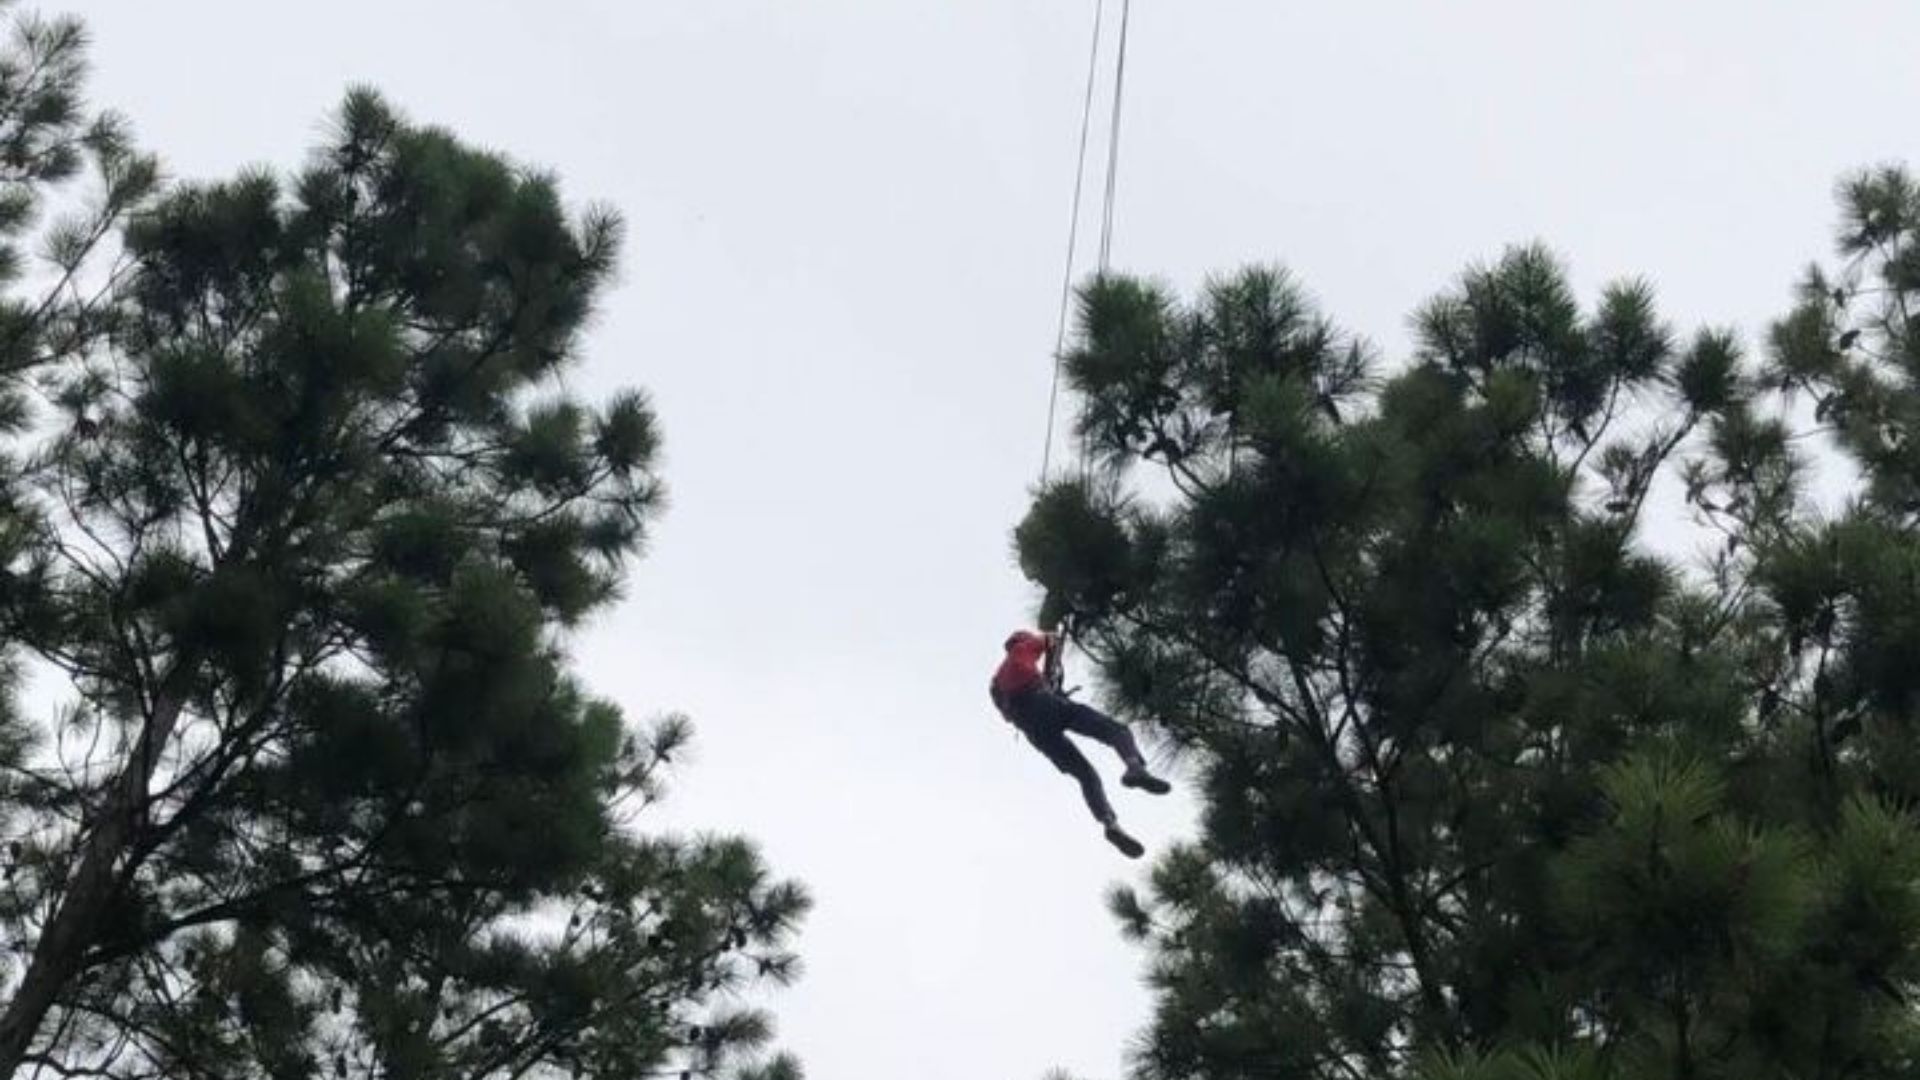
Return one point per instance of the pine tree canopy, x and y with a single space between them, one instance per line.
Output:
293 520
1495 781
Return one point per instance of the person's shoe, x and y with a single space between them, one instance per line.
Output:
1128 846
1137 776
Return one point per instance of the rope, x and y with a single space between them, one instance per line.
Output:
1113 177
1106 210
1113 137
1073 235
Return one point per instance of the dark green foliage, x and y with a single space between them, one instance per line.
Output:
1491 788
302 538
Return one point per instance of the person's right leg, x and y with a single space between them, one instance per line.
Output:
1066 757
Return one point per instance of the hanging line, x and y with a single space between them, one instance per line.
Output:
1113 179
1106 212
1073 235
1113 138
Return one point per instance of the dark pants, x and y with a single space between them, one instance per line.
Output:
1045 718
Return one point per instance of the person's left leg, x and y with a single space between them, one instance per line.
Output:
1094 724
1039 717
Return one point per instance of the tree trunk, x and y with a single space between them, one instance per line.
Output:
63 944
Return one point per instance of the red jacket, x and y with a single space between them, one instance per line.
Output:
1021 670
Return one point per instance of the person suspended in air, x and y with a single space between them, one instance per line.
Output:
1025 690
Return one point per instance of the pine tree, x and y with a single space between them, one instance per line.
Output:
299 534
1491 787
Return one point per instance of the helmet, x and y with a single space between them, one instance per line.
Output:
1023 637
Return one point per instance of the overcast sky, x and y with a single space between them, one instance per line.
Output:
847 222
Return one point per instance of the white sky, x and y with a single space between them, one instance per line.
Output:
847 219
